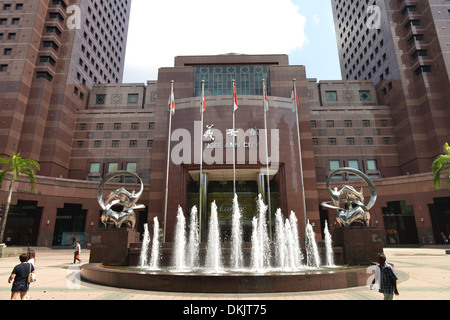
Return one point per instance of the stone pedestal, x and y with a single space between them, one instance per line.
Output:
110 246
360 245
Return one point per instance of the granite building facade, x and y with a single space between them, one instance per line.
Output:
53 51
64 106
403 47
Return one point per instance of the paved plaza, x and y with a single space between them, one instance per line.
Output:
424 274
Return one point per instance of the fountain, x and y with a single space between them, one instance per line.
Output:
154 260
194 241
214 249
236 258
312 254
145 243
179 257
328 247
275 266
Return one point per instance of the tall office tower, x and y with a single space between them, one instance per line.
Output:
403 46
51 54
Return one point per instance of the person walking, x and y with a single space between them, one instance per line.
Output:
19 277
77 252
31 259
386 278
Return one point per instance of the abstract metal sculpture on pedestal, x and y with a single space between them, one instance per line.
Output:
355 210
118 207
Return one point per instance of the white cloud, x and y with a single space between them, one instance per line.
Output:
161 30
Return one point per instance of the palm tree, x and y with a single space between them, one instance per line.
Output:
441 164
16 165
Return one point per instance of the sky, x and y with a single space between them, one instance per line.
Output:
161 30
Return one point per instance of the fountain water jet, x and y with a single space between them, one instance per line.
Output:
328 247
179 261
236 258
312 253
193 243
145 244
214 248
154 258
260 239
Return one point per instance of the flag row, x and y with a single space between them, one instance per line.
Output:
294 99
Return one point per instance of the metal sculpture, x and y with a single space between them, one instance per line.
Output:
118 207
355 211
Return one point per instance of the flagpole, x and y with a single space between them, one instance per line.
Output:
234 139
201 164
168 160
300 156
267 157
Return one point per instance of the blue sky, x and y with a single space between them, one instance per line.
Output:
161 30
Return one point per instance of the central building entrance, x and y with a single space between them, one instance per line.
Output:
218 187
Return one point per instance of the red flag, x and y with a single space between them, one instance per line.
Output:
235 97
266 99
203 109
172 102
294 98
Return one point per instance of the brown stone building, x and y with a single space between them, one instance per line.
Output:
402 46
61 104
125 127
52 52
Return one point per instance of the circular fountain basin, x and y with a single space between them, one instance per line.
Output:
226 282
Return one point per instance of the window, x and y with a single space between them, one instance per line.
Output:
97 144
387 140
334 165
330 123
117 126
47 59
82 126
50 44
11 36
100 126
131 166
383 123
422 69
115 144
113 167
7 52
151 126
80 144
133 143
366 123
331 141
315 141
372 165
44 75
353 164
368 141
348 123
95 167
313 124
135 126
218 79
150 144
15 21
3 68
350 141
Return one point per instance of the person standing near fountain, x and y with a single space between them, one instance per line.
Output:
384 274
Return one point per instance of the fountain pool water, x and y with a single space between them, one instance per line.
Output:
284 254
276 265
